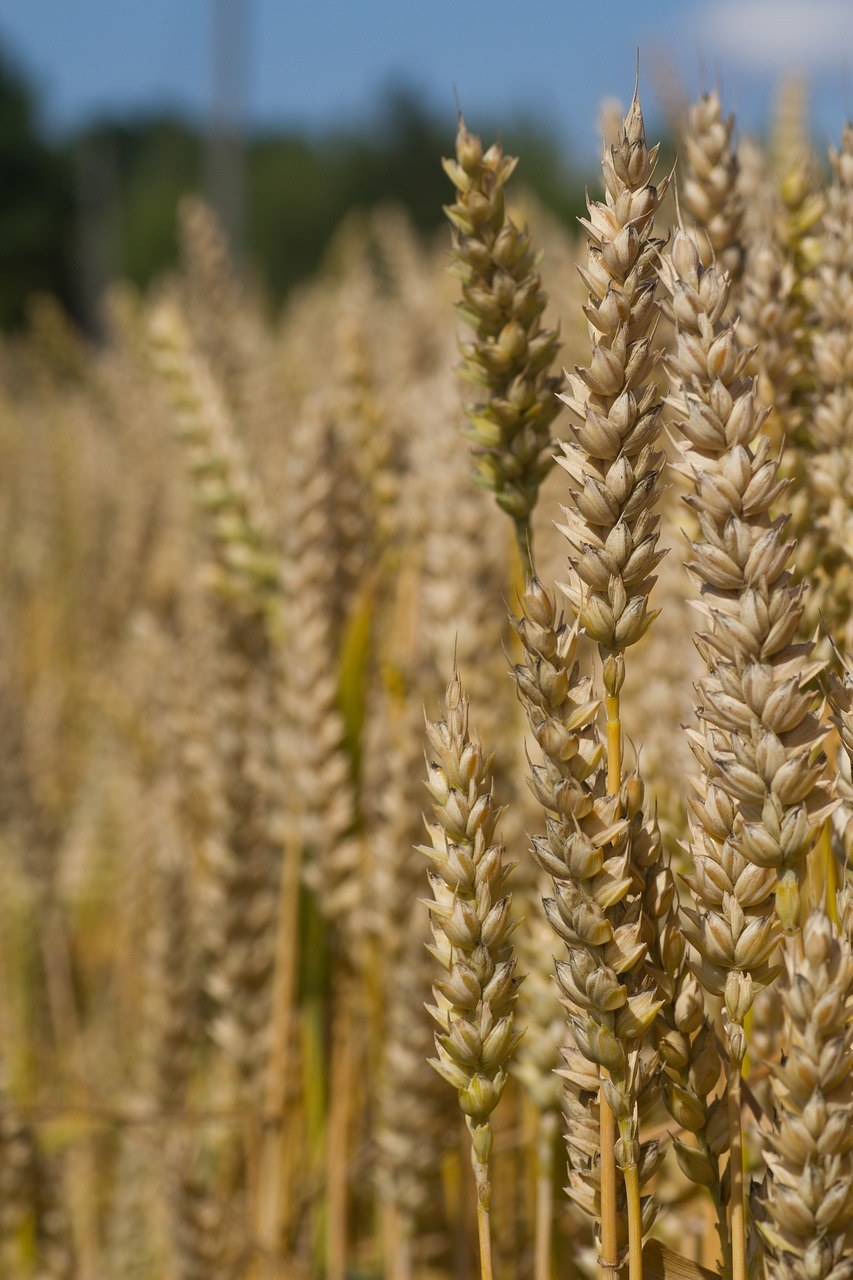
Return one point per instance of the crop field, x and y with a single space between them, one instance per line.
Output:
427 724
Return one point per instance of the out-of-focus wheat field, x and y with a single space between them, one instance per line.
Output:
247 542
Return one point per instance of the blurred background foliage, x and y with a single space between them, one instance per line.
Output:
80 210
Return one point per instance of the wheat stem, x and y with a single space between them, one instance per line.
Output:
397 1244
523 540
609 1233
607 1121
543 1241
484 1232
635 1222
736 1196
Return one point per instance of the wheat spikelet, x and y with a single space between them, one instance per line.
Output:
244 572
214 298
612 528
799 178
35 1235
228 326
783 254
685 1036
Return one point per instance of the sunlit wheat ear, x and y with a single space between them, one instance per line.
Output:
511 355
761 797
808 1196
469 909
611 458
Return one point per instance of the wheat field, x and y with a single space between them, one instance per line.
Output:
427 735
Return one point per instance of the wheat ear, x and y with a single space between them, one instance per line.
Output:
600 855
760 799
511 355
614 467
471 925
809 1194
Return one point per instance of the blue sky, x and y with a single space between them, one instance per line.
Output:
324 63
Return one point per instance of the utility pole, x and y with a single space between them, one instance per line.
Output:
97 191
226 150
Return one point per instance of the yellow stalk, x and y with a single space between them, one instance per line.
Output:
607 1122
484 1233
635 1222
737 1206
543 1243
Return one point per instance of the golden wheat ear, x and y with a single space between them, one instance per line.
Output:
470 915
511 355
